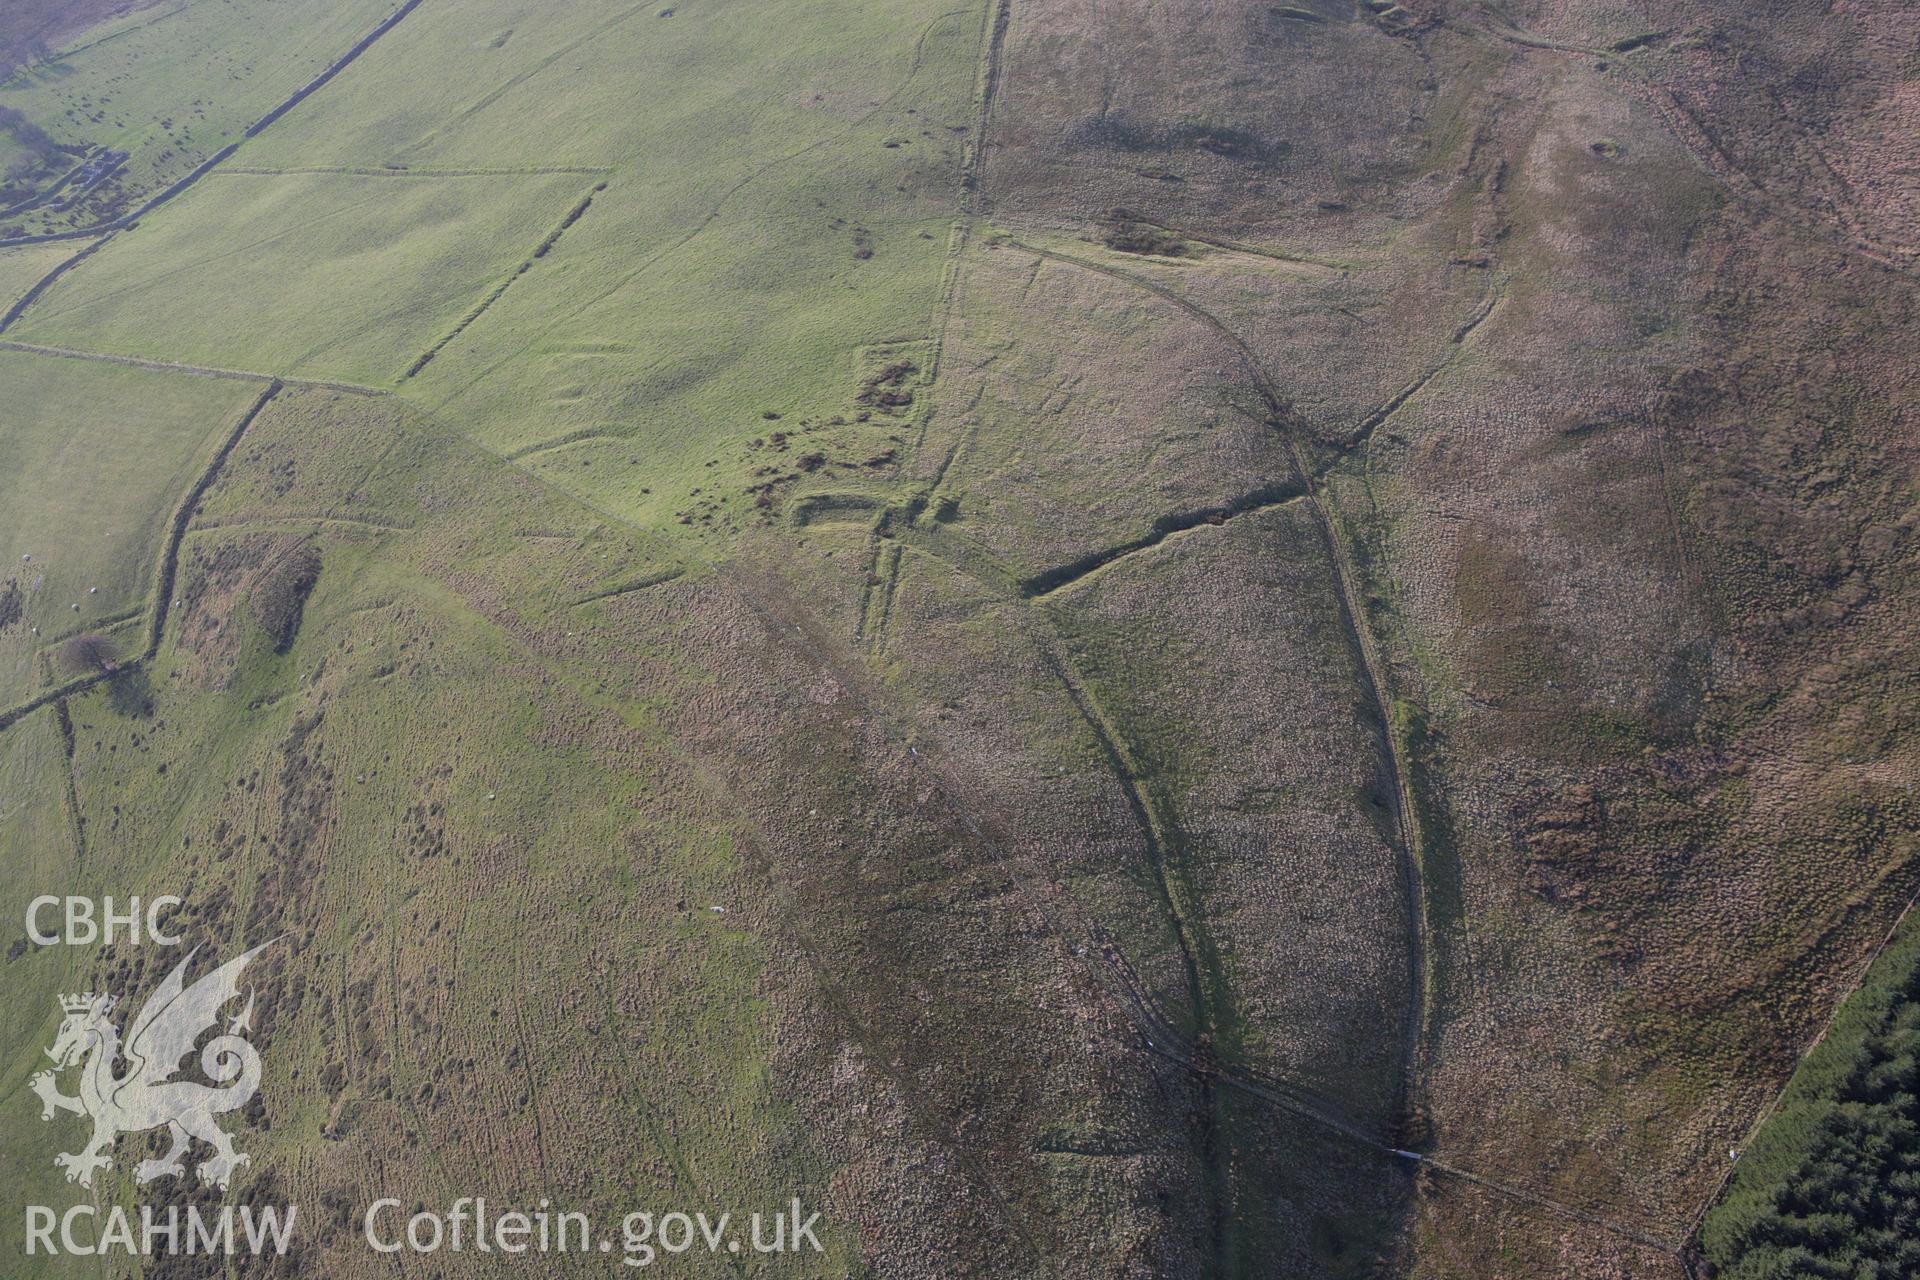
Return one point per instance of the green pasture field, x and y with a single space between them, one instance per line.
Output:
22 268
174 85
94 460
782 197
332 276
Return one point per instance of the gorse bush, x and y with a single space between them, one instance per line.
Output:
280 593
1831 1187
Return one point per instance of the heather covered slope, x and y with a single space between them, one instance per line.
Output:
1614 430
1106 640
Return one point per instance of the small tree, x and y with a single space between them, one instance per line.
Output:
89 653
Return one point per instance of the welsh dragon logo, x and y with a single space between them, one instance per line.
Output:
147 1095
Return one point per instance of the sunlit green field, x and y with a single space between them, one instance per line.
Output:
94 458
173 83
310 275
772 206
20 268
758 230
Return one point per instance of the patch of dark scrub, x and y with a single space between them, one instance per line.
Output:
1115 130
886 389
1120 132
12 605
1640 41
298 835
258 1194
280 594
1126 234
